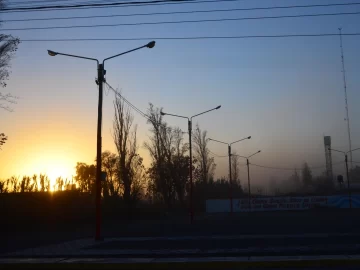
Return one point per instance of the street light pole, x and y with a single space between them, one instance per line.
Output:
190 171
230 180
100 82
98 154
230 174
248 169
348 180
249 192
347 170
190 154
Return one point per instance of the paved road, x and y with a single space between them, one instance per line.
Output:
306 222
314 263
320 241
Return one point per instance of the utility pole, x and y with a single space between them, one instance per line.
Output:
100 81
346 99
249 194
230 178
248 171
190 154
101 73
348 180
230 175
191 172
347 169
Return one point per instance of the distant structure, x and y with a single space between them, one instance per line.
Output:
328 159
346 99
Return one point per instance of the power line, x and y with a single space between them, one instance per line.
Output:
128 102
52 1
276 168
216 155
132 106
187 38
130 5
38 8
177 12
39 1
291 169
180 22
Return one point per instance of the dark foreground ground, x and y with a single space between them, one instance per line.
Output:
305 222
252 237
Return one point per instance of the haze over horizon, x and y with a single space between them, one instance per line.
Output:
287 93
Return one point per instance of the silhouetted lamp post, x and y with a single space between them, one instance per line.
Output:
248 169
190 153
347 170
230 176
100 81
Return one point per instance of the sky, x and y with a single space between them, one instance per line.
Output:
287 93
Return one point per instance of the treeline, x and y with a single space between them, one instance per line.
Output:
35 183
304 182
165 181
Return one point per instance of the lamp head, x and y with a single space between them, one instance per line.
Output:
218 107
52 53
162 113
249 137
259 151
151 44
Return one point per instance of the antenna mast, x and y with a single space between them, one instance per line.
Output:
346 100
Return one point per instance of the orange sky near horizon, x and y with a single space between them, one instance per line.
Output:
286 93
52 144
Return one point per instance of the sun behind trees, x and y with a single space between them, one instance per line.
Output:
163 186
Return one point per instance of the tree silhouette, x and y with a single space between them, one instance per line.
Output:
206 164
295 180
4 186
169 170
111 187
129 162
306 176
8 47
44 183
160 185
3 139
235 168
85 177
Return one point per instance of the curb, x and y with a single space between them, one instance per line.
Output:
180 263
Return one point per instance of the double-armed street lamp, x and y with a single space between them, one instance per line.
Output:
100 81
190 153
347 170
248 169
230 176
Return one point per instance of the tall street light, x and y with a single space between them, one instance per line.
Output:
230 176
190 154
347 170
248 169
100 81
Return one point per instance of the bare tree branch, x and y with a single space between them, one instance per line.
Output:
8 47
129 162
3 139
202 155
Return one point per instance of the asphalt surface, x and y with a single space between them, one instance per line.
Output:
233 242
305 222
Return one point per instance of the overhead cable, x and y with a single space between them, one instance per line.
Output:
189 38
177 12
180 22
